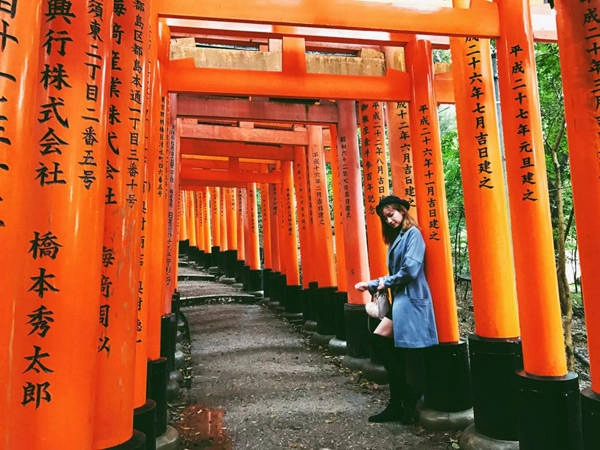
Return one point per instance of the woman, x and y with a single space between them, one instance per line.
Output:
400 338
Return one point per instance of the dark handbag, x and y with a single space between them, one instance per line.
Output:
379 305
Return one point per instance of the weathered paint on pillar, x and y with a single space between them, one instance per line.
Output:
215 218
352 208
331 156
289 235
265 205
274 227
223 218
431 195
251 238
323 237
401 159
232 218
579 45
18 68
157 215
375 181
539 308
304 233
172 196
122 239
183 219
241 248
54 340
200 235
192 219
486 213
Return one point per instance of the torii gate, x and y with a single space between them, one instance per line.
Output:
44 390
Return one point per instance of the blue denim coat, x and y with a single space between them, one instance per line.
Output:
412 307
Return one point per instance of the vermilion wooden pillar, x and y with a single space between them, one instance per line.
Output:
274 202
241 192
495 347
172 202
450 391
353 228
331 156
200 235
251 241
192 220
20 71
183 216
143 54
401 159
375 180
320 211
265 203
54 337
215 222
304 222
288 235
223 219
123 200
548 392
352 207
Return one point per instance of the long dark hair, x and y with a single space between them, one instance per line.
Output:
390 234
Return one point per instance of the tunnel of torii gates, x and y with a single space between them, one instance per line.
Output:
130 128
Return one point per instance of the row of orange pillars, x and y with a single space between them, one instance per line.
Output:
512 370
89 208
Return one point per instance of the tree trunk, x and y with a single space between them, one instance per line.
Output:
561 260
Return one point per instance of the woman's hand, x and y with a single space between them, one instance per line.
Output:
361 286
381 285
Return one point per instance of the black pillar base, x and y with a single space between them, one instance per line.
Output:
357 333
326 310
267 282
254 280
137 442
590 417
230 263
168 339
183 246
447 378
494 363
215 255
309 310
340 299
144 420
549 413
278 288
293 303
158 378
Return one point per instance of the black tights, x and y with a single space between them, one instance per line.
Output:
405 368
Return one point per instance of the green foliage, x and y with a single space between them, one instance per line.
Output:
553 127
454 190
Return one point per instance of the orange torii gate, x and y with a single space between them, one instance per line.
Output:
477 19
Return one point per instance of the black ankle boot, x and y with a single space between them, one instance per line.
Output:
410 414
394 412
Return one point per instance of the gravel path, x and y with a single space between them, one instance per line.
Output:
257 383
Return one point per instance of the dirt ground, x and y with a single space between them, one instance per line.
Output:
256 382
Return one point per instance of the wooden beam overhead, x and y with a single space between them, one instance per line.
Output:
191 146
238 176
244 135
183 77
220 164
192 185
261 32
481 20
239 109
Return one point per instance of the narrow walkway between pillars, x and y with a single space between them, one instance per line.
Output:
255 382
